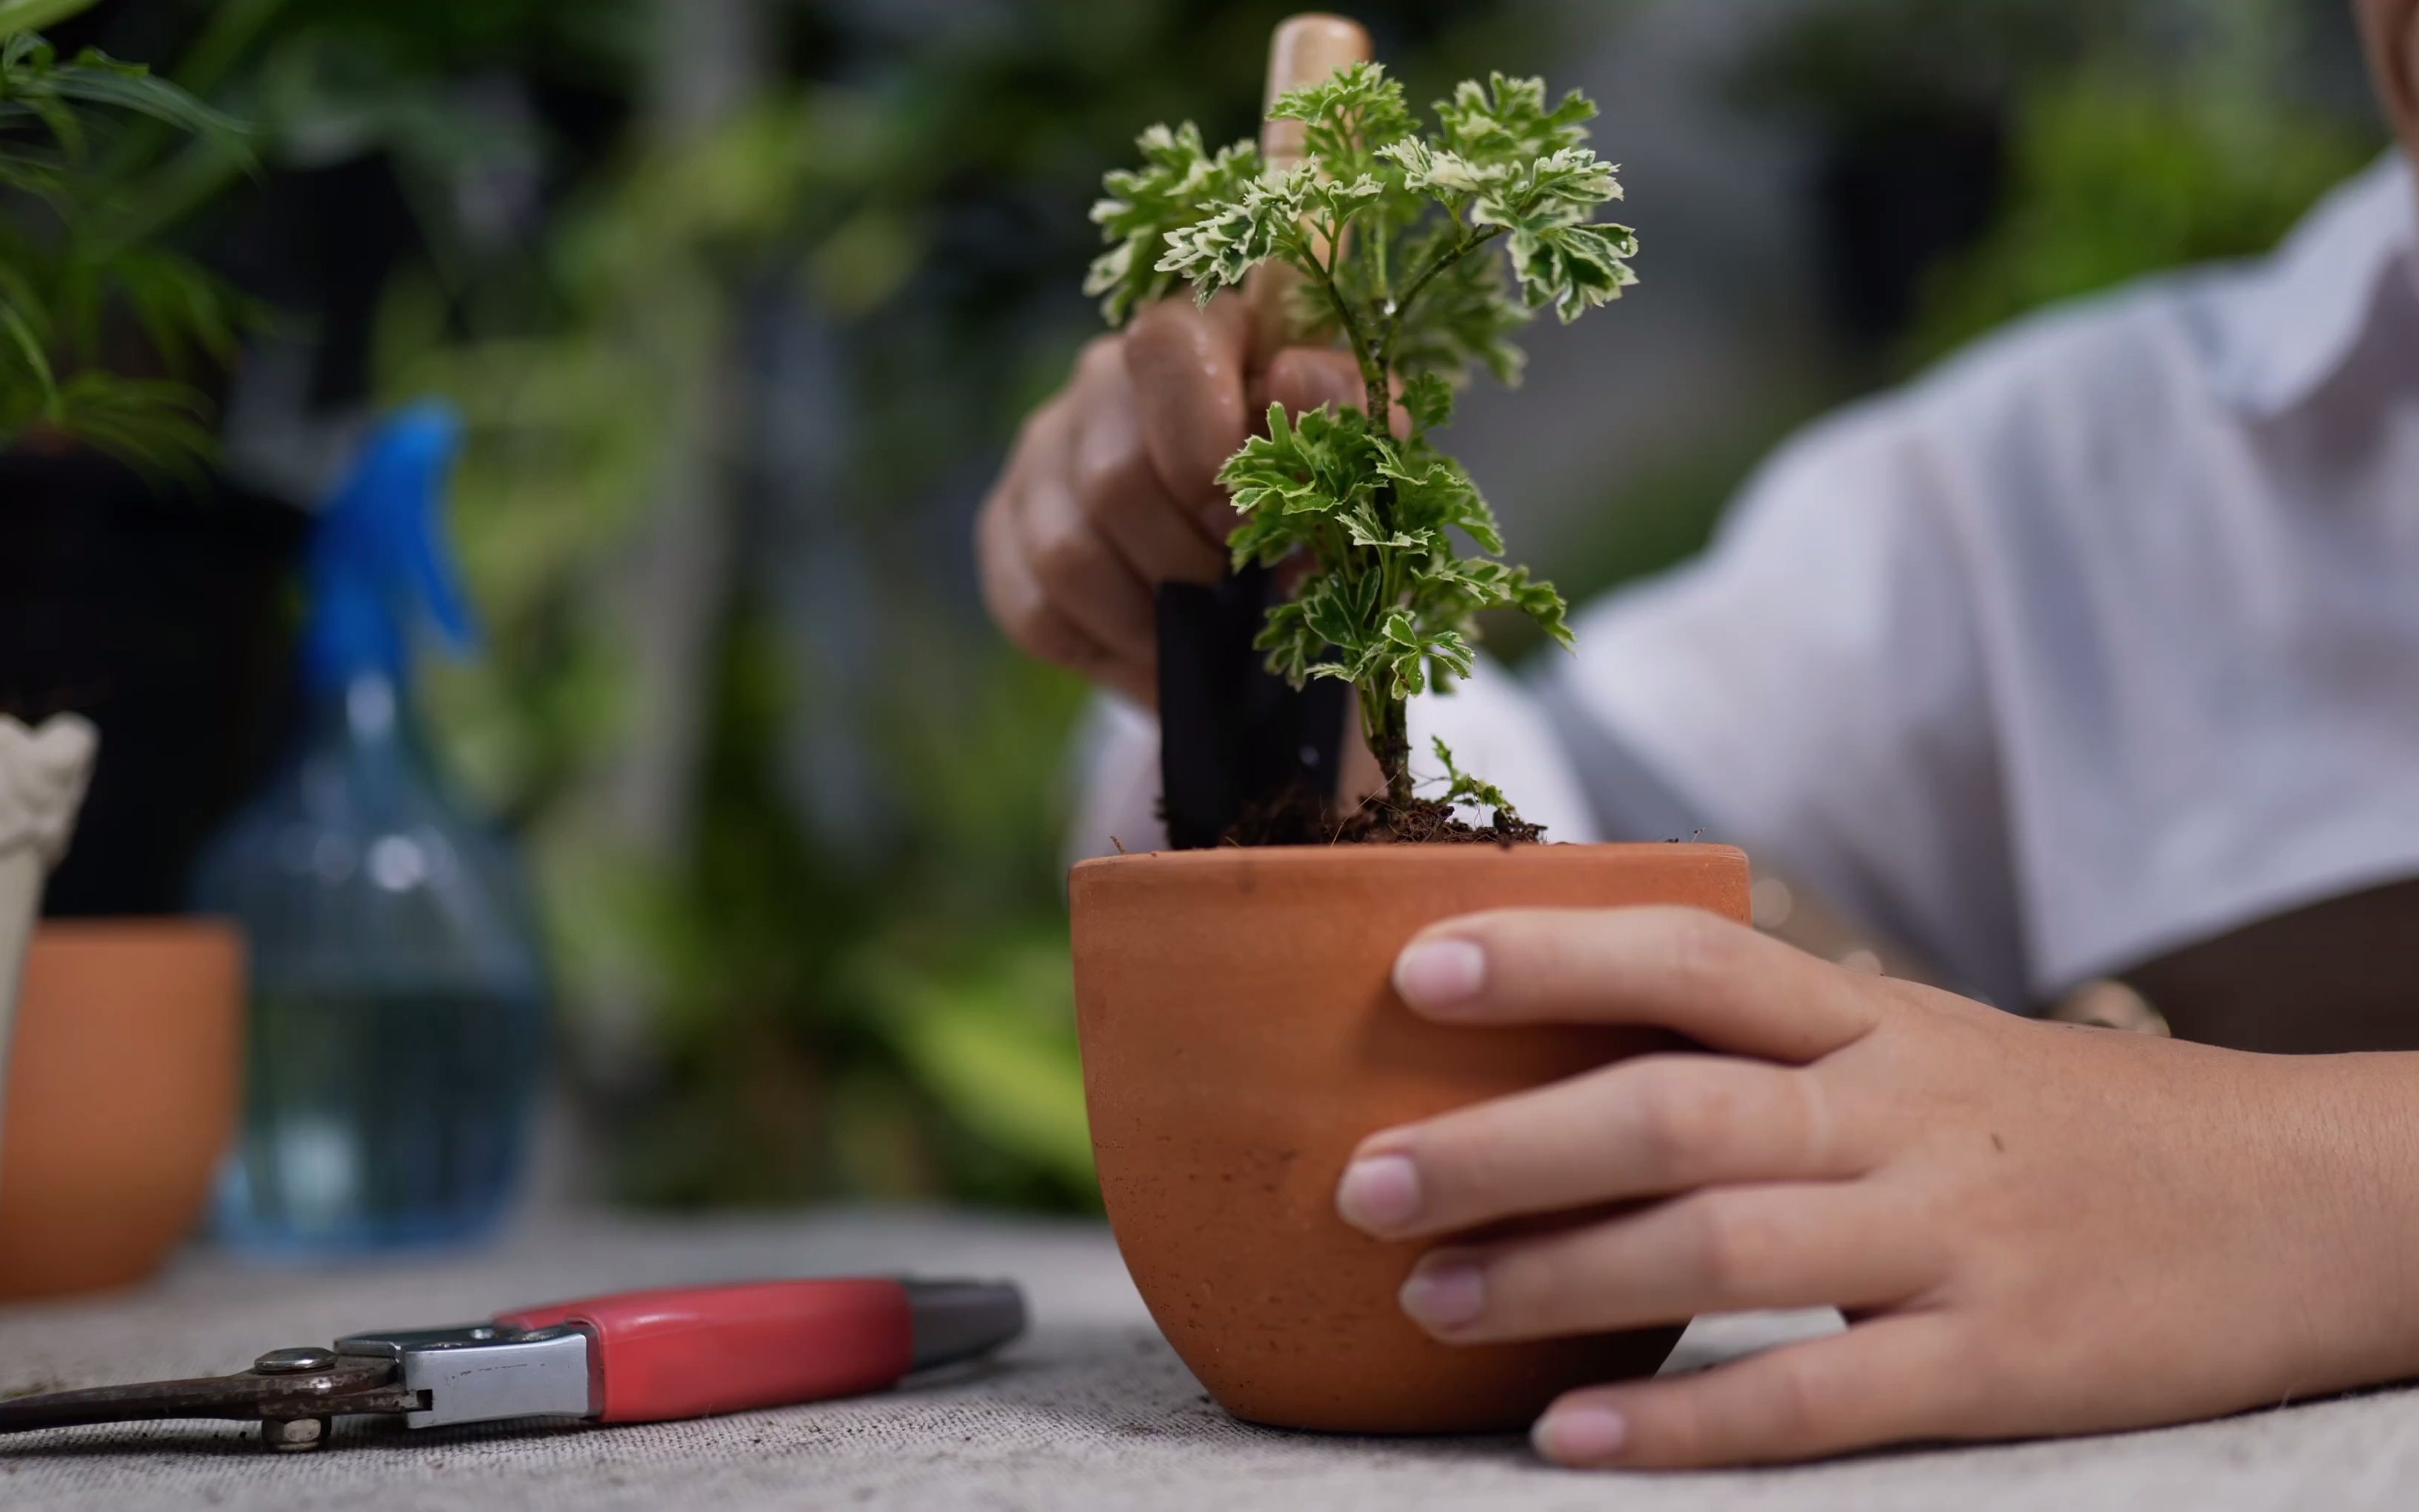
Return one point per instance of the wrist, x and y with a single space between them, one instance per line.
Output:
2336 1139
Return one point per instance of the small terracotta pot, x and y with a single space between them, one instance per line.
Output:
1241 1037
122 1097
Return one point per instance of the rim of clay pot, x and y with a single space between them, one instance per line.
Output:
133 929
1343 854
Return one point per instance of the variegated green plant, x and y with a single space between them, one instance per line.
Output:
1395 230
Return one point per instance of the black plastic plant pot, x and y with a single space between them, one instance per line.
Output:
164 615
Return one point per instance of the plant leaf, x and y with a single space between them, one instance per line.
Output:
1462 787
1266 222
35 15
96 78
1427 398
1175 187
1507 121
1573 267
27 344
1347 118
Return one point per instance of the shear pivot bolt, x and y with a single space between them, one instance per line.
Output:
290 1433
294 1361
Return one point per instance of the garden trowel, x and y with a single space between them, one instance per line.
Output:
1233 735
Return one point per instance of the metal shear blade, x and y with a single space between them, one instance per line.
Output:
292 1393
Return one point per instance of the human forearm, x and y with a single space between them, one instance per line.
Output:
2342 1152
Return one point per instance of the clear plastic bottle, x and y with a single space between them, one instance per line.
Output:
399 999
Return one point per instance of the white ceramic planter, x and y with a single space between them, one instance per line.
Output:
42 776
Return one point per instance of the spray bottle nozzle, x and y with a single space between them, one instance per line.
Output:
380 552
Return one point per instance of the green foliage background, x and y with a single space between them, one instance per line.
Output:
858 985
825 1016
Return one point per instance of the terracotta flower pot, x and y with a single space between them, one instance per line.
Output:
1241 1037
122 1098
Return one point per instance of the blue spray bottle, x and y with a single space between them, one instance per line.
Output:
399 996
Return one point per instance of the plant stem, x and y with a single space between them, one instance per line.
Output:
1460 249
1372 359
1373 372
1387 723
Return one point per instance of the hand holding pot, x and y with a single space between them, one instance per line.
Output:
2036 1228
1112 486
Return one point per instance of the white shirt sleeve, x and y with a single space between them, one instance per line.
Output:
1812 689
1116 760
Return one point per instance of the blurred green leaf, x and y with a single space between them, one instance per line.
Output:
776 1008
36 15
996 1040
97 79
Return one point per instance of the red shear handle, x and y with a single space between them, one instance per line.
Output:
691 1352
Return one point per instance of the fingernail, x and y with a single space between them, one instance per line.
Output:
1580 1435
1382 1192
1445 1294
1434 973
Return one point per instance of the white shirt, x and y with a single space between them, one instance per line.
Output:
2101 639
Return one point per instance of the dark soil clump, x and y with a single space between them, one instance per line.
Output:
1302 815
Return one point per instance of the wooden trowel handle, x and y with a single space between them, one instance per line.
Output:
1303 49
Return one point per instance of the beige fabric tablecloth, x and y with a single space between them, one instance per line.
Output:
1090 1411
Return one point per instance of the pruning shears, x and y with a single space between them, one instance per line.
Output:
631 1357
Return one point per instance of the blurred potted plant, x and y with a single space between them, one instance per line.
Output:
114 1017
138 585
1237 1028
